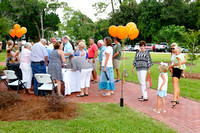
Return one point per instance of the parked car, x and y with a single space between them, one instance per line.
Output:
184 49
137 47
127 48
150 47
163 46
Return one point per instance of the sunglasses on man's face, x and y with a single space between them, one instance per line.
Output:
172 48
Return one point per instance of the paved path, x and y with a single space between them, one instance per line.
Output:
185 117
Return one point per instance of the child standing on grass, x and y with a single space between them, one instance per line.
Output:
162 87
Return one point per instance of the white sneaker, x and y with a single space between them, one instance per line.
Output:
154 110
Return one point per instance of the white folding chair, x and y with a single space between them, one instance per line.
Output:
46 81
10 74
4 78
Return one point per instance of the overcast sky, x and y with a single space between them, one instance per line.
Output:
85 6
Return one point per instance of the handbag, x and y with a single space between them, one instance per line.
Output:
148 81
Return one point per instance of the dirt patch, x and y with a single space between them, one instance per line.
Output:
192 75
187 64
49 108
187 75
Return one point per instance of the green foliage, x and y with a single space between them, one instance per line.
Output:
170 34
101 29
27 13
5 26
149 18
77 25
191 41
93 118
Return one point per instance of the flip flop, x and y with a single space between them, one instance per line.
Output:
79 95
106 95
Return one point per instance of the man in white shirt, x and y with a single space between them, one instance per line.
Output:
39 61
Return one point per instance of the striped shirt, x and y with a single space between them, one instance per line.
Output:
142 60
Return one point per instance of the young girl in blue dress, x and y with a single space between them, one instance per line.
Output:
162 87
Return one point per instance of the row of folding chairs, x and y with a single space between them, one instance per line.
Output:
45 81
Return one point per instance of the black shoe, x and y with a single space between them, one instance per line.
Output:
143 100
86 94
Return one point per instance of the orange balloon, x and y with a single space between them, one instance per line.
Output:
121 32
135 35
17 26
130 27
112 30
12 33
24 30
19 33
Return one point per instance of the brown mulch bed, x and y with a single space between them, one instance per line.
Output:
187 75
14 108
192 75
187 64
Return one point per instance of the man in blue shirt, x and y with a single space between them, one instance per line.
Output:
102 48
68 49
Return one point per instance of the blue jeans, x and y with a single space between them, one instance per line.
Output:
38 68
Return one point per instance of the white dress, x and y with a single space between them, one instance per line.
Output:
163 92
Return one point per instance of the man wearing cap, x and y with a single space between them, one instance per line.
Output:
38 61
92 55
68 49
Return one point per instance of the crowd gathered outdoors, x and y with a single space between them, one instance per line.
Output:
43 58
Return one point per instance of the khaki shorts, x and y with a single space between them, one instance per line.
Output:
116 64
94 65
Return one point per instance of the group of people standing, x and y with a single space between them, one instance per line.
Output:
143 64
59 54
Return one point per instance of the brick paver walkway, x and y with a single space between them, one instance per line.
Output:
185 117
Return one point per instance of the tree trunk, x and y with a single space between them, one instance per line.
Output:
113 10
38 29
41 17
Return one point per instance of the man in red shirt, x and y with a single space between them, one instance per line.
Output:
92 55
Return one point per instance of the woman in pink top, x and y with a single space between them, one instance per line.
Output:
25 66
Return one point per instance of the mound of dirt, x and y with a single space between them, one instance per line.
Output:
49 108
192 75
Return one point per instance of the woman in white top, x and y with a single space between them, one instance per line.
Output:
81 47
107 74
25 66
175 73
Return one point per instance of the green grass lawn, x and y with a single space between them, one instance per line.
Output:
3 56
93 118
190 88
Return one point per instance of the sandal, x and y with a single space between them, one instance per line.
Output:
79 95
105 94
173 105
94 82
140 97
154 110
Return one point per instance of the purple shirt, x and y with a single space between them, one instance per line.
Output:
38 52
